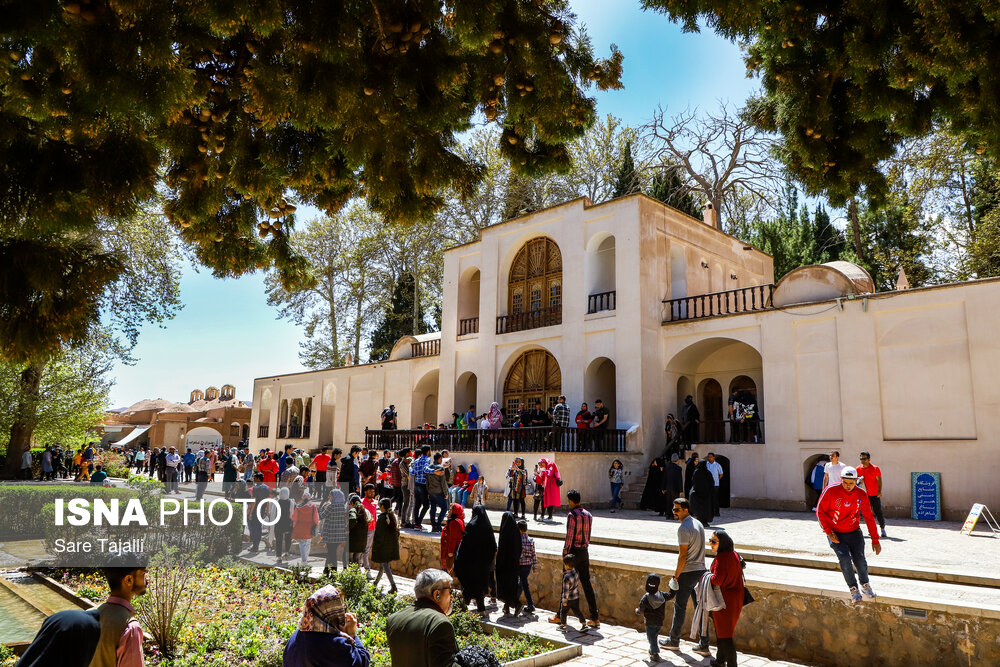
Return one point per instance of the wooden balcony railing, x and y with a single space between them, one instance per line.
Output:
742 300
426 348
534 439
533 319
601 301
262 431
469 325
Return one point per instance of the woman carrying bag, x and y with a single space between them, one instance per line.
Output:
727 574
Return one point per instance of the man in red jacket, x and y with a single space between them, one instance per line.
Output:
837 512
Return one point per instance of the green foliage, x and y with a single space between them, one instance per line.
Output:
23 515
845 83
466 623
397 320
897 236
626 175
240 109
668 187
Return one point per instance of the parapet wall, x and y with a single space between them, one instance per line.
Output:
785 622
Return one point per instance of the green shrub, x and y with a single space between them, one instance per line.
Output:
22 505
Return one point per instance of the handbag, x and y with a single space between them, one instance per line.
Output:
747 596
558 482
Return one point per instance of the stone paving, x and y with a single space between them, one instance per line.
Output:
609 645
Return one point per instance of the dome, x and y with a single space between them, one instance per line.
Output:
821 282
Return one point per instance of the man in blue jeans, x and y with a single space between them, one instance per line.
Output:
690 568
838 511
418 470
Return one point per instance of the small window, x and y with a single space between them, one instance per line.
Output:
517 303
536 297
555 295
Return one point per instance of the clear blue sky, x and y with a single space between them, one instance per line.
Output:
227 333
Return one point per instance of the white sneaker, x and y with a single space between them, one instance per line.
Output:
855 595
867 590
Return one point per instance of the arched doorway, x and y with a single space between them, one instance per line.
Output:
246 432
534 286
744 420
600 274
724 490
713 428
423 401
533 378
466 389
600 382
811 494
202 437
264 415
468 303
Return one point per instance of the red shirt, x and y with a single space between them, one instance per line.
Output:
322 461
838 511
269 468
370 506
870 474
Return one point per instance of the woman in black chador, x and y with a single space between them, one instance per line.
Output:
652 493
508 553
474 558
702 489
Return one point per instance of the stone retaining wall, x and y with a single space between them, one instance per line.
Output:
785 623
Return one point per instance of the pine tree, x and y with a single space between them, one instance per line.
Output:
626 178
397 320
668 187
897 236
246 108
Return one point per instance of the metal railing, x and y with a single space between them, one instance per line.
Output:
533 319
426 348
532 439
283 431
469 325
742 300
262 431
294 431
601 301
732 431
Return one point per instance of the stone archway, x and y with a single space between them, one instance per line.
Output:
533 377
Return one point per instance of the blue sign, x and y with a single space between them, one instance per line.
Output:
926 495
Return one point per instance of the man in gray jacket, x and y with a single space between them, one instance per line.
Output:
437 493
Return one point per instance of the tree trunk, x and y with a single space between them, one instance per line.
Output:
852 210
24 417
416 304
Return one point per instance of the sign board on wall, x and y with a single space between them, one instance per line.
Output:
925 495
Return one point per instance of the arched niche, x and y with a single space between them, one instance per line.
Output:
468 302
466 389
600 272
600 382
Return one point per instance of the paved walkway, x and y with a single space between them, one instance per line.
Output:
607 646
934 546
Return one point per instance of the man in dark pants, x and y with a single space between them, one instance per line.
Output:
673 480
577 543
418 469
872 476
261 492
690 568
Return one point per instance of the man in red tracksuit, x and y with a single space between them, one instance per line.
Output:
837 512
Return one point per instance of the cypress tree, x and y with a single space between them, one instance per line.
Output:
626 178
397 320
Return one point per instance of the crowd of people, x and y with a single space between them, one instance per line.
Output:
58 462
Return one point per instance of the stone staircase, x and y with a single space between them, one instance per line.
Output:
632 491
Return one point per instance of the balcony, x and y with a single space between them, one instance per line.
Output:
426 348
283 431
533 319
716 304
602 301
468 326
262 431
533 439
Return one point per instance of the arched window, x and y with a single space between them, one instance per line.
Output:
534 377
535 281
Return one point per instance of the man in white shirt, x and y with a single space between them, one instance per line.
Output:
832 470
173 461
715 468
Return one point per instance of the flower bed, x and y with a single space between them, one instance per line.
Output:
244 615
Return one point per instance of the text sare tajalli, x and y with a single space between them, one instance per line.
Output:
219 512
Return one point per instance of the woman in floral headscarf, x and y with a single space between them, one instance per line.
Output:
326 634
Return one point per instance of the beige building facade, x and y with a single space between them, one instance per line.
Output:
635 303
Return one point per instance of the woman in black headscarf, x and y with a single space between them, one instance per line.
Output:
474 558
702 488
689 469
652 498
66 639
508 553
